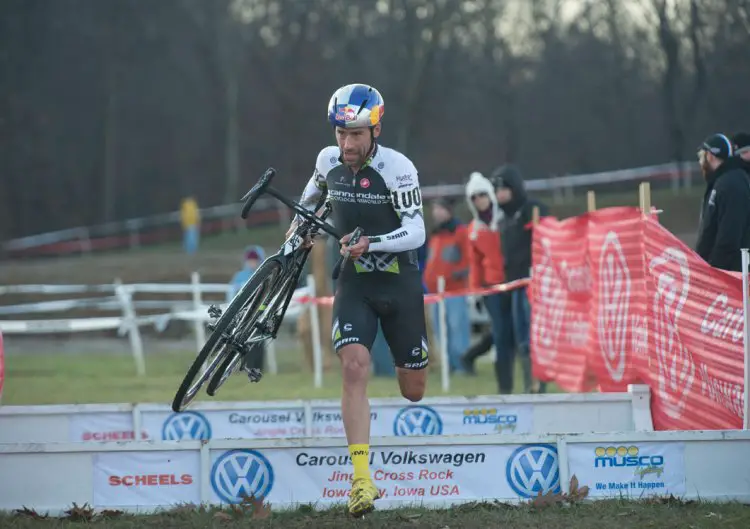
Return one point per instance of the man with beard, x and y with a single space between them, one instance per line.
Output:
376 188
725 216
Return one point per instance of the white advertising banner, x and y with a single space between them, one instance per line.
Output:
422 474
326 421
108 426
629 469
225 424
451 419
146 478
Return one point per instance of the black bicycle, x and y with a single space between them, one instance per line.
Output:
254 315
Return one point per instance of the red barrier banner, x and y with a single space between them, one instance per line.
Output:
657 314
696 337
618 298
560 296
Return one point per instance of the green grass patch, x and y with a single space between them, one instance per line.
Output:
49 378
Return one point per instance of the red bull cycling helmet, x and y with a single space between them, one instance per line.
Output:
356 105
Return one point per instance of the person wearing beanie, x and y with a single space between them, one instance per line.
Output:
724 226
447 256
513 306
487 268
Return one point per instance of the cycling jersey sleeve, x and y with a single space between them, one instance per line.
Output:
316 186
406 198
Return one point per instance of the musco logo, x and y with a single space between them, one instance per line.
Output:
407 199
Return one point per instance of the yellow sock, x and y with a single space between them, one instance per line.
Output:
361 459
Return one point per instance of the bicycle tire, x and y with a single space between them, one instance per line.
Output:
231 362
187 391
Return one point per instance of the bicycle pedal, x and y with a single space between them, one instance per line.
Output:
254 374
214 311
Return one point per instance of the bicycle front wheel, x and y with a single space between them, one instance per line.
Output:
221 343
258 328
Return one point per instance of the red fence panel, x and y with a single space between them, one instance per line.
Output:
618 299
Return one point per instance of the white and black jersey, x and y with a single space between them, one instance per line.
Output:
383 285
383 198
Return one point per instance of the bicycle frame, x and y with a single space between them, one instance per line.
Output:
291 255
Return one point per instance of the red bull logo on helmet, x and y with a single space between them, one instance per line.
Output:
346 114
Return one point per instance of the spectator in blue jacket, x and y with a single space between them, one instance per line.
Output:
253 257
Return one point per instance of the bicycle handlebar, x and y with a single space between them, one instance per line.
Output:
339 266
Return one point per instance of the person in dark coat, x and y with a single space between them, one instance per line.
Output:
513 306
725 214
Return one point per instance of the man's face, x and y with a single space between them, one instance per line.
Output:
481 201
252 263
708 163
504 195
355 144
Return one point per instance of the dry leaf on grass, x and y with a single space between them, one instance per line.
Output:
30 513
258 509
576 494
545 500
83 513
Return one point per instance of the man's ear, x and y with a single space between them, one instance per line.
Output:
376 130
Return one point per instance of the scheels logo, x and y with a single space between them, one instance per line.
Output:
150 480
241 474
186 425
532 469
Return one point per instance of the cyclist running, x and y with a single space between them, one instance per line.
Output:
377 189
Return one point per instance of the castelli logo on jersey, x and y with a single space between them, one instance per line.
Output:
365 183
671 275
614 305
550 301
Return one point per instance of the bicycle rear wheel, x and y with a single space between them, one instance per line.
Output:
260 329
221 343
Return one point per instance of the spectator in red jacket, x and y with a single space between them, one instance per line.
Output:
486 263
447 256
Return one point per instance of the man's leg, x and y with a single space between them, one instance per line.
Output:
405 331
354 327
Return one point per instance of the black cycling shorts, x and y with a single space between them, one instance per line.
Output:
400 309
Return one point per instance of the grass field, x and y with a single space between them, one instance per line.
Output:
48 378
615 514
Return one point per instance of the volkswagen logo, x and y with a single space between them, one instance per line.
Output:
187 425
241 473
533 469
417 420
